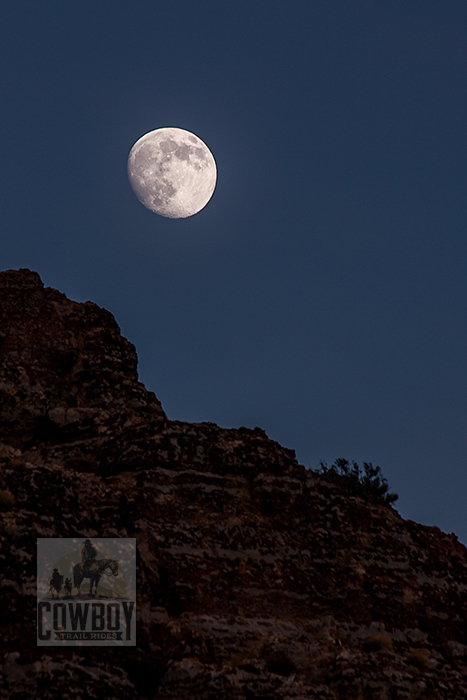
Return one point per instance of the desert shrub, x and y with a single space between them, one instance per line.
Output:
419 658
80 464
378 642
280 661
370 484
7 500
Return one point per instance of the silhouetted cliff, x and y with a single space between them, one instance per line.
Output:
255 577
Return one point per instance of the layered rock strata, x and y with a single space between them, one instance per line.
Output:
256 578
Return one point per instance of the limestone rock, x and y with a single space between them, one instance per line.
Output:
256 578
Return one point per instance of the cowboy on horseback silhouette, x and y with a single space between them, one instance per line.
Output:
92 568
68 587
56 583
88 554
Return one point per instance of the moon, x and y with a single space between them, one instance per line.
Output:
172 172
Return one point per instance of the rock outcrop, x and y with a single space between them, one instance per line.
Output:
256 578
66 371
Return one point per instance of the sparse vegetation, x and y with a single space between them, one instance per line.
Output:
80 464
378 642
7 500
370 484
418 658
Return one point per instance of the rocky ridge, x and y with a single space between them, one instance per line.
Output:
256 578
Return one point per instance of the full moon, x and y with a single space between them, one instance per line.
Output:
172 172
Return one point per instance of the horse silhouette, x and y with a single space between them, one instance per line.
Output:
93 570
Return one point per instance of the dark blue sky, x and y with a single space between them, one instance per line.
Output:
321 294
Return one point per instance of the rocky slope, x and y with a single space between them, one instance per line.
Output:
255 577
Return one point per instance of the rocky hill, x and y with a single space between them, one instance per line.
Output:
256 578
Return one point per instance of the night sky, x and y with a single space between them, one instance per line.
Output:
321 294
